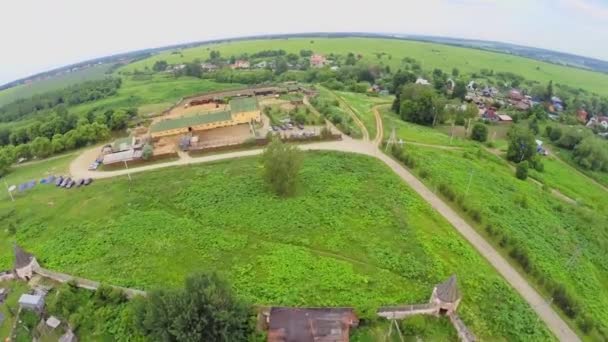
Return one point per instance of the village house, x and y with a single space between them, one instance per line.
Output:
209 67
241 64
515 95
318 61
422 81
310 324
601 121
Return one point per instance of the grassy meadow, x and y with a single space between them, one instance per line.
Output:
521 215
353 235
430 55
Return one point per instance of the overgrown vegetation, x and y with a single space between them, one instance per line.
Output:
354 235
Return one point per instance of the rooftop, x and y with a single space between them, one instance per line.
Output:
30 300
22 258
192 120
448 290
243 104
310 324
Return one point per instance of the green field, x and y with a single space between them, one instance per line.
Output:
158 90
430 55
521 214
353 235
54 83
16 289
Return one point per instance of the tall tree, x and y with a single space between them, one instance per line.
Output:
282 165
205 310
460 90
522 145
549 93
420 104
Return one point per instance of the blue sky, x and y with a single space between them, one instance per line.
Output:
38 35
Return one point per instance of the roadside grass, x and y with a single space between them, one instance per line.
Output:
417 133
429 55
522 217
36 170
55 83
362 105
354 235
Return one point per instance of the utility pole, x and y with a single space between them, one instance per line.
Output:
10 193
469 184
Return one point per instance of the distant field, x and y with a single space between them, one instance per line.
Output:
354 235
154 93
55 83
430 55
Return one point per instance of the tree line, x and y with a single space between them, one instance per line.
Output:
70 96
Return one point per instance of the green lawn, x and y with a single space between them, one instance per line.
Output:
354 235
430 55
362 105
522 215
55 83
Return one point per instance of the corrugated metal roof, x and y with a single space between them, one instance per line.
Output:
30 300
121 156
188 121
243 104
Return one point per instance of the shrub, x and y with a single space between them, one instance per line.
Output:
522 258
446 191
475 215
555 134
564 301
147 152
479 132
424 174
522 170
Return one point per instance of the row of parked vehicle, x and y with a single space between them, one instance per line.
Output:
286 127
69 183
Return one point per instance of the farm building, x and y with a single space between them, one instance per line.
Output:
241 110
310 324
31 302
121 157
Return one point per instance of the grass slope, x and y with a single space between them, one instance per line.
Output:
547 229
362 105
430 55
354 235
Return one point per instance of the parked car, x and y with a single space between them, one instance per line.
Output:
66 182
94 165
283 127
79 182
300 126
70 184
88 181
289 126
59 181
275 128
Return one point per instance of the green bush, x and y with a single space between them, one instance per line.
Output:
521 171
479 132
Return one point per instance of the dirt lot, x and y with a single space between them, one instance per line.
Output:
225 135
182 111
166 145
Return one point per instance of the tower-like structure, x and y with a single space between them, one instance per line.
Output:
25 263
446 296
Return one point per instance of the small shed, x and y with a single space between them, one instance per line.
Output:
53 322
446 296
31 302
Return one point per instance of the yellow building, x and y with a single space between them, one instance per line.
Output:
241 110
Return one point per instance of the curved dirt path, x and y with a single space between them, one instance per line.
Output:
379 125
